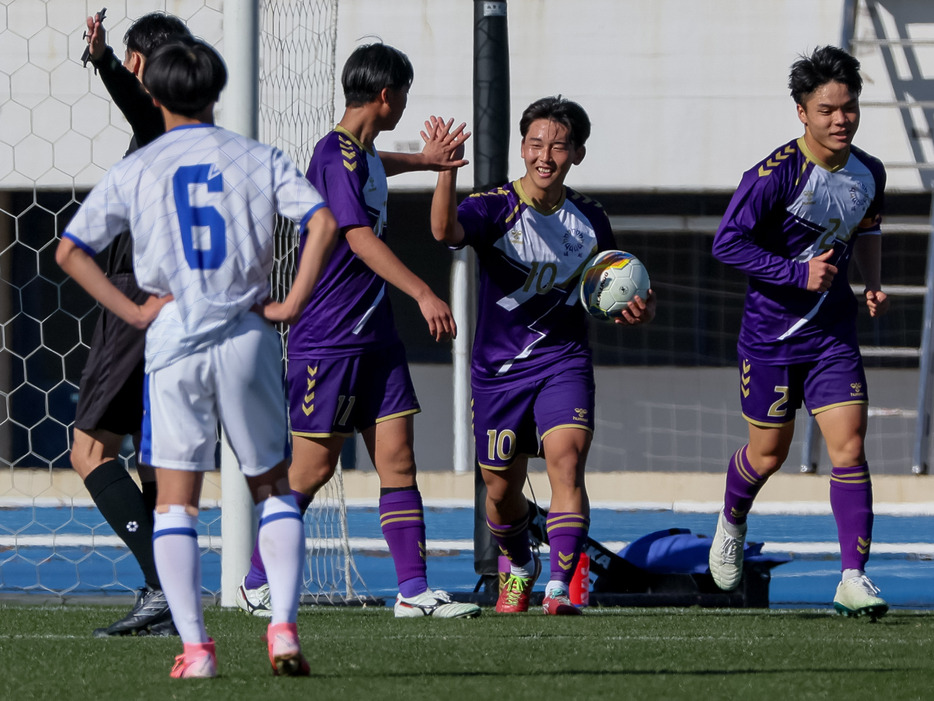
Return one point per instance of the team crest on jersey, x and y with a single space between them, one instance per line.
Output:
807 197
858 196
573 242
515 237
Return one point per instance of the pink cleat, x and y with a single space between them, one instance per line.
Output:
285 652
199 661
557 603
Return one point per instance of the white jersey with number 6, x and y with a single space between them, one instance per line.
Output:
200 202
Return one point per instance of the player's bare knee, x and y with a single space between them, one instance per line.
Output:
308 479
397 473
849 454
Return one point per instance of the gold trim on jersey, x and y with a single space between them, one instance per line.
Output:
814 159
341 130
517 184
490 193
775 160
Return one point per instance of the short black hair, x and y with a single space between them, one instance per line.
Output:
827 64
151 31
371 68
185 75
561 110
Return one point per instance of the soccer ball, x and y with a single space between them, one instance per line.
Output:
610 281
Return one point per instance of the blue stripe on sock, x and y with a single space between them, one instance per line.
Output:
278 515
190 532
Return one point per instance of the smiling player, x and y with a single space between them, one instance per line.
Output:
792 226
532 370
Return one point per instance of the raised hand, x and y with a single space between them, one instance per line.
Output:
96 37
444 148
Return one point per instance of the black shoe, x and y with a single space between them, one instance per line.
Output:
151 609
164 629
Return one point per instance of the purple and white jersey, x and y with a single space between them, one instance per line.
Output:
788 209
529 316
349 311
200 202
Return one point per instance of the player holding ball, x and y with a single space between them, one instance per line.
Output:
532 369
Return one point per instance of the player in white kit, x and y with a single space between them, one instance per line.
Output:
200 203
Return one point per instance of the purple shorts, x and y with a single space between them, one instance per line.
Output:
334 396
512 421
771 394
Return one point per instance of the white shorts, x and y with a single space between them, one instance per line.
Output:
237 382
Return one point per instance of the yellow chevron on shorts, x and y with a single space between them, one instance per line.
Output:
308 405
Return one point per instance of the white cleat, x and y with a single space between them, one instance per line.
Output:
726 556
436 604
255 602
858 596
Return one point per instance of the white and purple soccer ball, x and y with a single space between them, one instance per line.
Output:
610 281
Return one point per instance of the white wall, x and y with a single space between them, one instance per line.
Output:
683 94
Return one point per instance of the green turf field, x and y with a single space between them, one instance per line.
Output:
47 652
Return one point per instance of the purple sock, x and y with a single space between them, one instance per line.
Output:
566 535
742 485
256 577
851 502
403 523
513 539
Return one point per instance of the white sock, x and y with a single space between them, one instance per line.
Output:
737 531
282 545
556 588
850 574
178 562
525 571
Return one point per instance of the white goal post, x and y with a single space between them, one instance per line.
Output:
61 133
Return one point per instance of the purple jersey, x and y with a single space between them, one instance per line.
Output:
349 310
529 317
788 209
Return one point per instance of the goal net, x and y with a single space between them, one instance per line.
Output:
61 132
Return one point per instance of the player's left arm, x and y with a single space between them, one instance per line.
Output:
438 153
126 90
84 270
379 258
867 252
320 237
